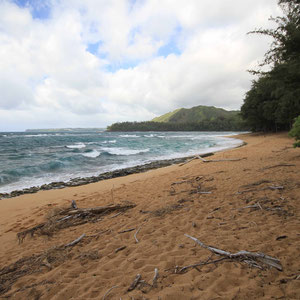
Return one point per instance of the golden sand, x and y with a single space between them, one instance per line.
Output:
169 203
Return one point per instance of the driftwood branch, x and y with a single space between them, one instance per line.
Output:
74 205
70 216
219 160
154 281
134 283
135 235
76 241
203 263
255 259
120 249
113 287
126 230
271 187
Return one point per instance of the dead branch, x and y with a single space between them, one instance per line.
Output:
278 166
219 160
203 263
113 287
189 160
134 283
76 241
262 189
180 182
116 215
154 281
74 205
255 259
120 249
126 230
72 217
137 233
256 205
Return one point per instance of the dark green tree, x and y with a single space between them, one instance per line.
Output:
273 101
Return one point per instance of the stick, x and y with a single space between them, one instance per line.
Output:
154 281
137 233
75 241
189 160
74 205
218 160
126 230
113 287
119 249
116 215
252 258
180 182
135 283
203 263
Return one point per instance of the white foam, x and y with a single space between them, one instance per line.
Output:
129 135
91 154
111 142
124 151
76 146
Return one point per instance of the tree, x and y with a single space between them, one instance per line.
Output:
273 100
295 132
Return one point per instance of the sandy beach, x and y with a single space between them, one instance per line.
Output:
240 199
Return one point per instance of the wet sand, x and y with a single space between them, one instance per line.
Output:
209 201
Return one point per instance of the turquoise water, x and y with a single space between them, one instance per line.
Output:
32 159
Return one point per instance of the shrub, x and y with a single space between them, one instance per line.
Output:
295 132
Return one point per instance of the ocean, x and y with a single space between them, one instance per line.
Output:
35 158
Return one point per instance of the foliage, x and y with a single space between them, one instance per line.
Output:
196 114
198 118
216 125
295 132
272 103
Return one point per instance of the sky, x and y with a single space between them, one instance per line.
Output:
90 63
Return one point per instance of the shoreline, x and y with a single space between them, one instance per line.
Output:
79 181
245 198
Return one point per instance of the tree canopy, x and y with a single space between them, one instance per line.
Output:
273 102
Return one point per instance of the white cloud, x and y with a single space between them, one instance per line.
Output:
46 69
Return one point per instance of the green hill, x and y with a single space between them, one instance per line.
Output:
196 114
198 118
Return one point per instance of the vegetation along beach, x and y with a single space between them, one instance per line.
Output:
149 149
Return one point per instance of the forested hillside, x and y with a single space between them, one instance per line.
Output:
198 118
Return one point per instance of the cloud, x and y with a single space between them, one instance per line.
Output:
94 62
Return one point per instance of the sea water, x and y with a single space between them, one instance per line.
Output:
34 158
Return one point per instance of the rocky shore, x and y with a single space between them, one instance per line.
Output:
107 175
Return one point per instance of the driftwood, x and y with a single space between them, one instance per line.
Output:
184 269
134 283
138 282
120 249
126 230
28 265
154 281
278 166
68 217
256 205
219 160
76 241
73 204
113 287
211 160
271 187
254 259
135 235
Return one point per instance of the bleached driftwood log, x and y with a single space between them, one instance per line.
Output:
255 259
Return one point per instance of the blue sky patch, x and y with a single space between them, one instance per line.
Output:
93 48
40 9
